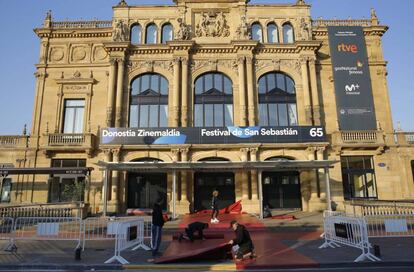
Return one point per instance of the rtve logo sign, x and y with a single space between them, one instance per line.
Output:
348 48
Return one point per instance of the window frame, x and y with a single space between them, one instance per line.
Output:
140 34
277 33
284 26
65 107
272 98
261 40
216 96
163 41
155 33
155 98
348 183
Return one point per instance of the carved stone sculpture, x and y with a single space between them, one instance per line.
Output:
243 32
120 32
183 32
212 25
304 30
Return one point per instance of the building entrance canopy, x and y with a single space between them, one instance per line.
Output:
223 166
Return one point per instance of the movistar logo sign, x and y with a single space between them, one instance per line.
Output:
352 89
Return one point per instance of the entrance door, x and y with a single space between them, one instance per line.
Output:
204 185
281 190
145 189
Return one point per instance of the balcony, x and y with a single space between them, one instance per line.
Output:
14 141
69 142
405 138
367 139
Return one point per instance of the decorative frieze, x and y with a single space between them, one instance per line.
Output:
212 24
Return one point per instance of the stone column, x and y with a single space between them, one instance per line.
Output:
184 158
321 174
119 92
245 186
108 158
176 93
250 92
306 95
184 91
253 157
242 92
114 203
315 96
111 94
175 155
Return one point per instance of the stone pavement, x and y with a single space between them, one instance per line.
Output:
283 245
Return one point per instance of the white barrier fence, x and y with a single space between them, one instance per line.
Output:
128 234
396 225
350 231
105 228
47 228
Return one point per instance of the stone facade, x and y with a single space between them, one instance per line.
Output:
95 61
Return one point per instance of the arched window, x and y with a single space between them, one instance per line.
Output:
257 33
272 33
136 33
213 103
149 101
151 34
167 33
288 35
277 100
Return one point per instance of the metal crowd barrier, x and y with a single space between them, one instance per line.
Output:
47 228
128 234
104 228
395 225
6 231
350 231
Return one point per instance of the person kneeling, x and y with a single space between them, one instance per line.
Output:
242 244
191 229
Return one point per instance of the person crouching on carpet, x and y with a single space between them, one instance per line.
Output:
242 244
214 207
191 229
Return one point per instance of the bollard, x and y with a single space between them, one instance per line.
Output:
78 251
377 251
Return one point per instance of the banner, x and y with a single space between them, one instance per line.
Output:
211 135
353 90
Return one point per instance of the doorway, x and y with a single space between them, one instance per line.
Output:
145 189
206 183
281 190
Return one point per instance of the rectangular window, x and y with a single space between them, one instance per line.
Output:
6 190
263 120
293 116
143 115
133 116
273 115
412 168
153 115
358 177
208 115
228 117
73 116
163 116
67 187
198 115
218 115
282 113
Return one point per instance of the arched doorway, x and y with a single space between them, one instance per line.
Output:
145 188
206 182
281 190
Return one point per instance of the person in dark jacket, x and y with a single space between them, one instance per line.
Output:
214 207
193 228
243 241
157 224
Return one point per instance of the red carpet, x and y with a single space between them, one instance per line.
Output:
271 252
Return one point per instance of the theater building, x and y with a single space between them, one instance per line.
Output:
223 82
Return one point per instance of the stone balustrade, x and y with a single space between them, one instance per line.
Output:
14 141
82 24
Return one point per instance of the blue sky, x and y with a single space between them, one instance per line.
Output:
20 47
